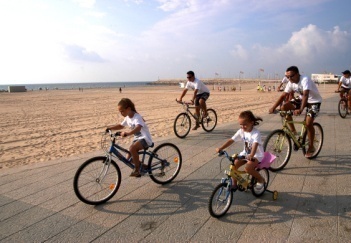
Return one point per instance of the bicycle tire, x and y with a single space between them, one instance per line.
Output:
87 185
165 163
220 200
255 191
318 140
279 144
182 125
343 108
209 123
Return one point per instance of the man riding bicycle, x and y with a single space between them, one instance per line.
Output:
344 86
310 98
201 94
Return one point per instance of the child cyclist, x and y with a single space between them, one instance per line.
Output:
138 128
253 149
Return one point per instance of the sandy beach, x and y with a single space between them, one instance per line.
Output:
40 126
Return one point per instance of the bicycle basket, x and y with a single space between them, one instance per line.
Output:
106 142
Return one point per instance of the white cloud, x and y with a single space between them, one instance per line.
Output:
85 3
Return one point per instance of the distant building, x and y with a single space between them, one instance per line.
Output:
325 78
12 89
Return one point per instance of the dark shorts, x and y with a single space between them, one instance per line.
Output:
203 96
142 142
296 102
343 89
312 110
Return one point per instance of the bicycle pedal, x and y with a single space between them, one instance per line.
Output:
296 147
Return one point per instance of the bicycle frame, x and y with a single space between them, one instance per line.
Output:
114 151
187 108
287 130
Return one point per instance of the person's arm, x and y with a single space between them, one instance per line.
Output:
132 132
253 151
225 145
278 102
339 85
305 95
115 127
194 97
183 94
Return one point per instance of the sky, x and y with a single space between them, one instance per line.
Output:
60 41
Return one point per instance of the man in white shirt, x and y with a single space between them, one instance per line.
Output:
344 86
310 98
201 94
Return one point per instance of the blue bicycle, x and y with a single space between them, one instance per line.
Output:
98 179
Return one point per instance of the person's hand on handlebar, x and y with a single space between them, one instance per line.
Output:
271 110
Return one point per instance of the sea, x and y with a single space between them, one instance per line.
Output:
65 86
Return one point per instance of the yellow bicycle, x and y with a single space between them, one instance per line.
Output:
279 142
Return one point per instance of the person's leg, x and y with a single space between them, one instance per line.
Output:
237 164
203 107
287 107
349 100
250 168
310 134
197 113
133 149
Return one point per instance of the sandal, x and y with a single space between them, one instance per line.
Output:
135 173
309 153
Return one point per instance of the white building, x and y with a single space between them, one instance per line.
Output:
325 78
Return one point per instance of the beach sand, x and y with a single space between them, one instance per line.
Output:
41 126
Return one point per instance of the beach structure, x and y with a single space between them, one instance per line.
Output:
13 89
325 78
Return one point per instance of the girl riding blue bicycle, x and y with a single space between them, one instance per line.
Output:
138 128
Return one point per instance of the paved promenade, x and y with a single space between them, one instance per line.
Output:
37 202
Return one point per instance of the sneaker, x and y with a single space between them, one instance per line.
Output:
135 173
259 186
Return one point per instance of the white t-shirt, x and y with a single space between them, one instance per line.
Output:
199 85
346 82
305 84
249 138
133 122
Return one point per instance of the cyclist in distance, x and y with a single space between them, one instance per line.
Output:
310 98
344 86
201 94
138 128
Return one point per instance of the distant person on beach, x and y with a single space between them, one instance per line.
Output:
253 146
344 86
138 128
201 94
310 98
120 89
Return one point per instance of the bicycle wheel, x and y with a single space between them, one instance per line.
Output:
182 125
165 164
95 182
258 192
220 200
209 123
317 142
342 108
279 144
